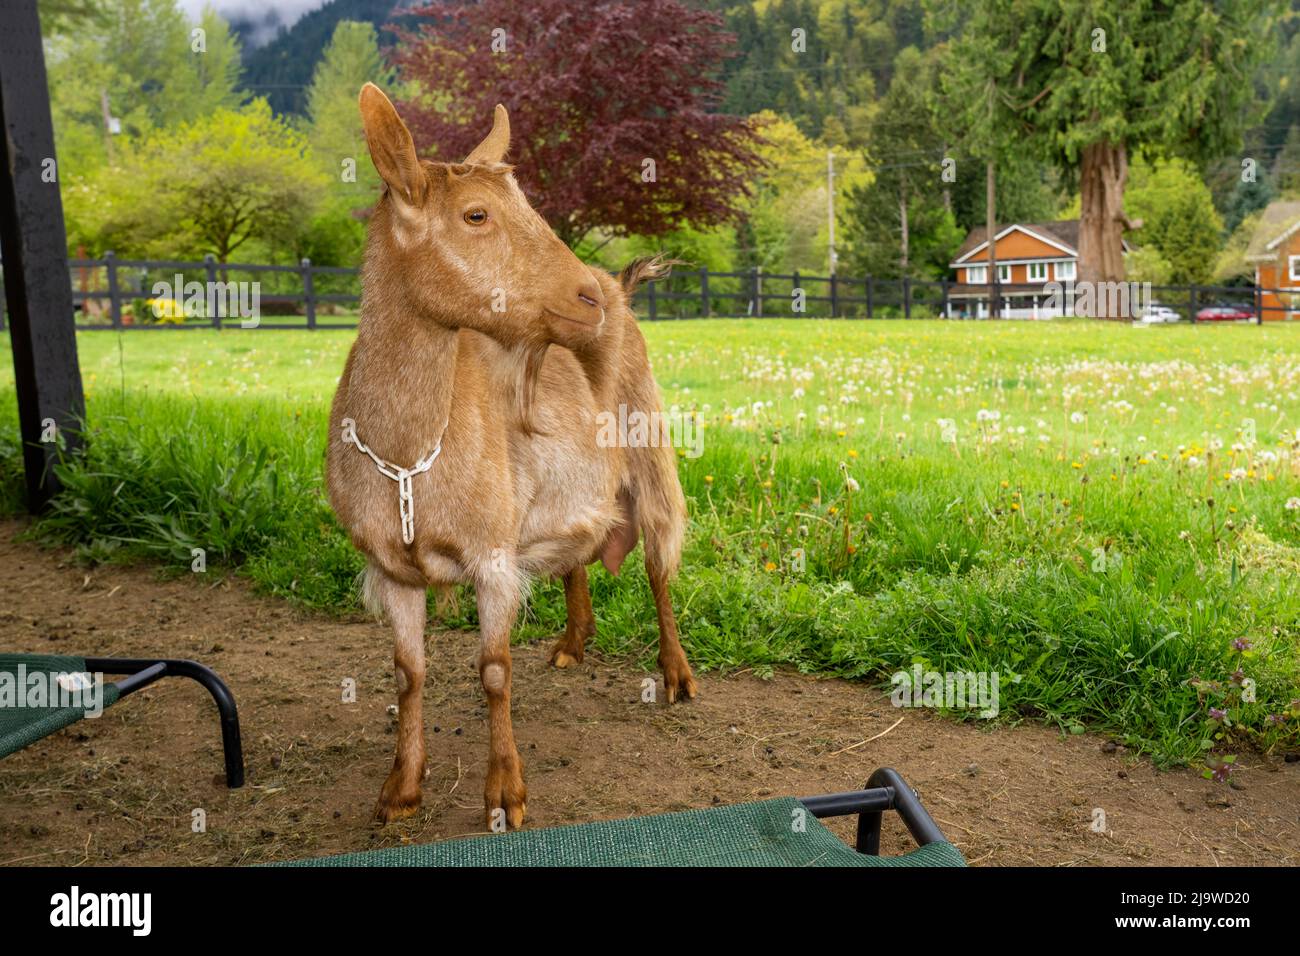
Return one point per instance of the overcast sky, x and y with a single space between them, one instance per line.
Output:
289 10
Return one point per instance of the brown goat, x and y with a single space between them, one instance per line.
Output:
463 439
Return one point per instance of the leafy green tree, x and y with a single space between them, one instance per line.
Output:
1178 216
140 62
1146 264
352 58
167 72
785 226
210 186
1286 167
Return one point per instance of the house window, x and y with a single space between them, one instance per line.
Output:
1038 272
1004 273
1295 268
1065 270
977 274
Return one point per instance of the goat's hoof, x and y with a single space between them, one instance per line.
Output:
679 682
565 655
505 798
397 800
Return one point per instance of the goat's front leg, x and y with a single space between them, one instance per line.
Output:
504 794
406 608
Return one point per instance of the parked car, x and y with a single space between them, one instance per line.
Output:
1226 313
1155 314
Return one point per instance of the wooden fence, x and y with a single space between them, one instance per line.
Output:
112 293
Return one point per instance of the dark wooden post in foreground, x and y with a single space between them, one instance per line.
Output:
38 286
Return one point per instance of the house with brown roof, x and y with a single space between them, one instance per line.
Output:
1274 251
1029 256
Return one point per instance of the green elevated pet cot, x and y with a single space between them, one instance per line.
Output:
782 832
63 679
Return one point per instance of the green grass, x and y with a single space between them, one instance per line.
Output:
1093 511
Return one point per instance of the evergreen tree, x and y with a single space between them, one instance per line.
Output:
1086 83
901 224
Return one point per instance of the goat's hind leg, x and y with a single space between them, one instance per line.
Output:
679 682
405 607
580 623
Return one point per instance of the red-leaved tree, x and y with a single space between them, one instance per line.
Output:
594 90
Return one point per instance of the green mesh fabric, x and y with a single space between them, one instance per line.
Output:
748 834
22 726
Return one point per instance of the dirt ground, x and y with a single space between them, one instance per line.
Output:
122 789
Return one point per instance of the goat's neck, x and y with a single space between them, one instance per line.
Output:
402 387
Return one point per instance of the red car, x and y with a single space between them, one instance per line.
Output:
1225 313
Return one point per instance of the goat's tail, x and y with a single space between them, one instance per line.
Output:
645 269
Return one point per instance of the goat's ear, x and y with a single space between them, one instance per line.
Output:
391 148
493 148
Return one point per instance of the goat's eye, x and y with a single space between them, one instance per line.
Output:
476 217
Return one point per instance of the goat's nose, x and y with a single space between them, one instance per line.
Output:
589 293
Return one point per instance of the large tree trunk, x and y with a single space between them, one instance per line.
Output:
1101 219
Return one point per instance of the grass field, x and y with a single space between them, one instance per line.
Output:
1108 517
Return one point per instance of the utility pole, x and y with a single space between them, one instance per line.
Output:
830 203
990 215
108 123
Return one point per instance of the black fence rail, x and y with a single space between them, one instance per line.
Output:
112 293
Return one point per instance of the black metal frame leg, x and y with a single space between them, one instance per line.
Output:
142 673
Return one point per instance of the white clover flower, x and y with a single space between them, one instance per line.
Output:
1237 474
852 484
1293 504
1078 418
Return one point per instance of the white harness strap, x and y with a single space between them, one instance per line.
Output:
403 476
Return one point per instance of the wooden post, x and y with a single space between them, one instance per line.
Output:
308 294
944 305
210 268
871 288
794 287
654 305
38 285
907 297
114 299
1191 303
705 308
835 297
